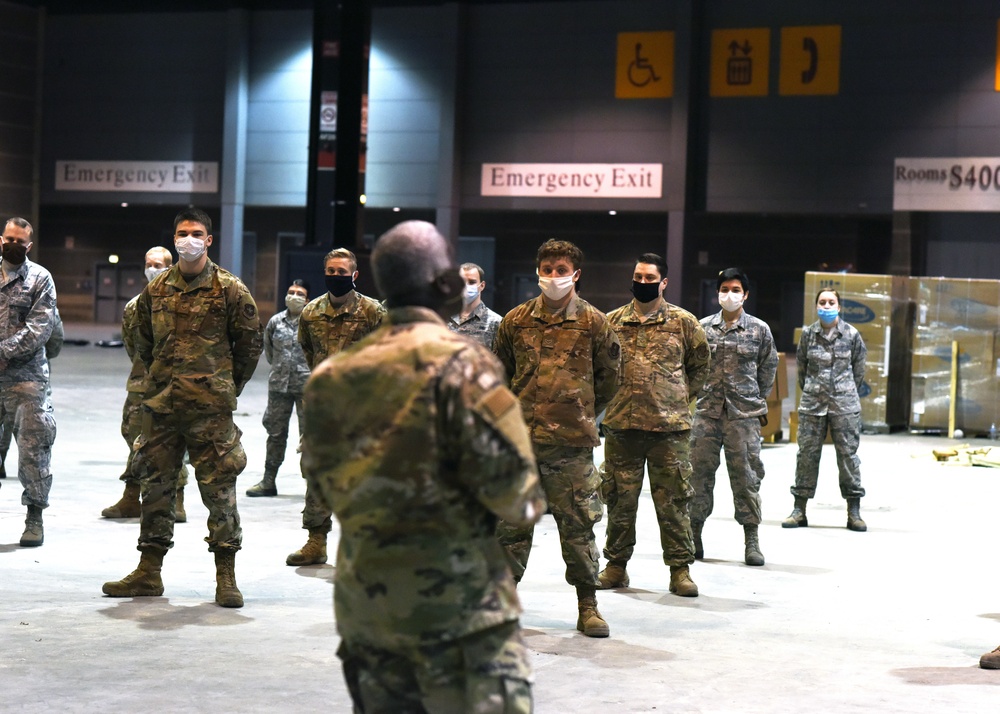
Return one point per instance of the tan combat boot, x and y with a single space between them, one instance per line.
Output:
312 553
590 621
180 515
144 581
990 660
613 576
752 556
681 582
226 592
127 506
33 535
854 522
797 518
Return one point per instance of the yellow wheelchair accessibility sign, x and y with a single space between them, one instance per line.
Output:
645 68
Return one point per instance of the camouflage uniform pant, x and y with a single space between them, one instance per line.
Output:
276 418
570 482
27 410
740 438
487 672
213 445
627 452
846 432
131 430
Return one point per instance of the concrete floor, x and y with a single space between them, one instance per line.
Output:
892 620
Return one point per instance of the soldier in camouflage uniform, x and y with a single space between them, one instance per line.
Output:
418 447
199 336
562 357
335 320
831 367
27 315
158 259
648 425
729 411
475 321
53 346
285 383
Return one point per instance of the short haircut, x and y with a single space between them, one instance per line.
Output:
828 290
553 248
654 259
193 214
342 253
472 266
733 274
168 257
299 282
20 223
407 259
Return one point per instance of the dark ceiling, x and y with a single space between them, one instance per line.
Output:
86 7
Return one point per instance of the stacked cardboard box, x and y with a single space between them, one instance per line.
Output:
772 430
879 307
967 312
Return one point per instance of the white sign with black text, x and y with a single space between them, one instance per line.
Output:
144 176
947 184
573 180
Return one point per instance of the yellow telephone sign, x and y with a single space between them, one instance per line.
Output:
740 62
810 60
645 68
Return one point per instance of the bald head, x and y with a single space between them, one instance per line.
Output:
406 261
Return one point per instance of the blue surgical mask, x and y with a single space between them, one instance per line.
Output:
470 294
827 316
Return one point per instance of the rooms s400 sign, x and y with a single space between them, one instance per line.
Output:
947 184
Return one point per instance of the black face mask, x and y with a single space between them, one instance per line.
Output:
339 285
13 253
645 292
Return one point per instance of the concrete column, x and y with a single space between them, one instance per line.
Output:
449 167
234 142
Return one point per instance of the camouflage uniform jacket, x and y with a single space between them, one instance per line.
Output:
664 365
289 370
137 376
27 316
325 329
744 363
562 366
199 340
416 445
481 325
830 369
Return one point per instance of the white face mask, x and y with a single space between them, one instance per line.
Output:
556 288
152 273
295 303
470 294
190 248
731 301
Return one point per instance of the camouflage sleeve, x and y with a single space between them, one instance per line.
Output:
269 340
380 314
767 363
607 361
37 326
487 439
859 354
697 357
143 328
128 327
55 342
802 358
305 342
245 334
503 348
